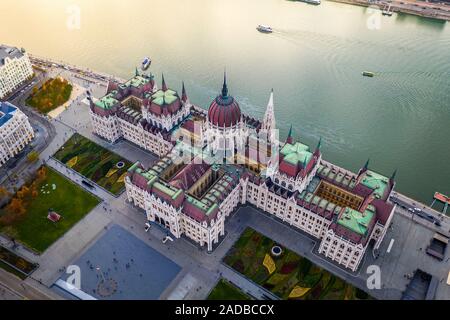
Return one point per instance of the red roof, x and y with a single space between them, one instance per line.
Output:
224 112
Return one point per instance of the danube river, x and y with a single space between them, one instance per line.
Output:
313 60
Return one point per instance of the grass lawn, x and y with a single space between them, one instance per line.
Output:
225 290
94 162
67 199
289 275
52 94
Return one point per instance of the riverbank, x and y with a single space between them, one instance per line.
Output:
418 8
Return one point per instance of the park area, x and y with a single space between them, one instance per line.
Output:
94 162
52 94
225 290
26 217
285 273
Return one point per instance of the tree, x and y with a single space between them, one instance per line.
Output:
24 193
15 208
41 175
33 156
3 192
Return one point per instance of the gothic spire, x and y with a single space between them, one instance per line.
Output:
269 116
224 87
289 138
366 165
164 86
394 174
183 93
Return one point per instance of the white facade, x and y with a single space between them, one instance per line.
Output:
15 131
15 68
277 193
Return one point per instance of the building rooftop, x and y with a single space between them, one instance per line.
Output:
135 82
296 153
9 52
161 97
376 182
357 221
107 101
6 112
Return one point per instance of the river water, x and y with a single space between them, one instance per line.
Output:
313 60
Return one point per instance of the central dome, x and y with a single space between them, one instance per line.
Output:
224 111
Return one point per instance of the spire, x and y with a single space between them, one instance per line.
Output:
269 117
394 174
319 144
183 93
163 86
136 72
289 138
224 88
366 165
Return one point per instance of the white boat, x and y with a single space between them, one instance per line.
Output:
146 63
317 2
262 28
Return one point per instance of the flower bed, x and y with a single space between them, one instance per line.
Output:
289 275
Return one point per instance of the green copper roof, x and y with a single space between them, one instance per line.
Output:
376 182
295 153
171 191
202 205
160 97
136 82
108 101
356 221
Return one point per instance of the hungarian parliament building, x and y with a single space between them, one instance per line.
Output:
212 162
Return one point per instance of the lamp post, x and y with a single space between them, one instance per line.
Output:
101 273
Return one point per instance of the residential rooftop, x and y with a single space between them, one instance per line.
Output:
6 112
9 52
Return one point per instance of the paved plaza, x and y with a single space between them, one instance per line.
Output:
131 268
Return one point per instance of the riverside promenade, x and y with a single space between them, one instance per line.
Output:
414 7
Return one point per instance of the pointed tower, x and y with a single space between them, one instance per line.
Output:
289 138
366 165
224 87
319 145
163 85
393 175
136 73
184 96
269 117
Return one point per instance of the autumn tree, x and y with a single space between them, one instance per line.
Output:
3 192
33 156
